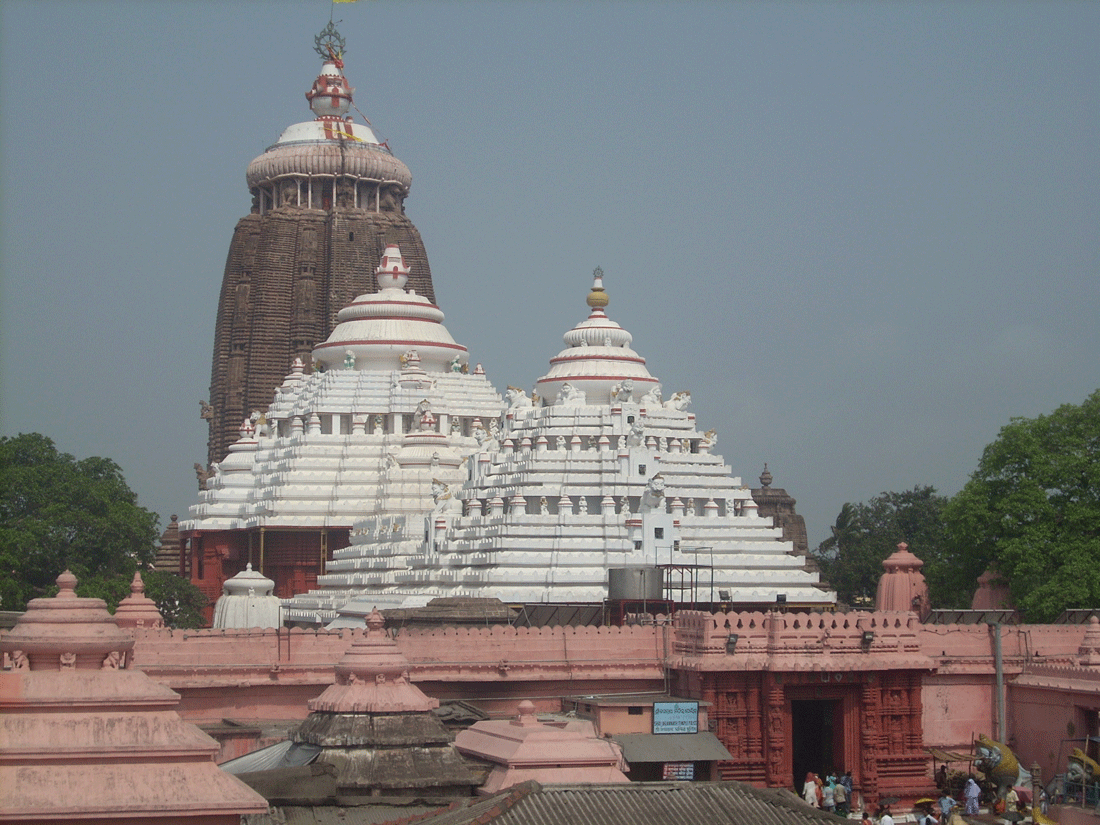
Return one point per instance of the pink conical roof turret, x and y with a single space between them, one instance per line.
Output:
902 586
373 677
83 736
137 609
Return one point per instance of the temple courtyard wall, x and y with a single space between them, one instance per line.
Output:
897 686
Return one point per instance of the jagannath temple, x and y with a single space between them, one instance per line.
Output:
358 459
388 471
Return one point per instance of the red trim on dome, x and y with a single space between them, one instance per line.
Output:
391 303
562 358
392 318
402 343
569 379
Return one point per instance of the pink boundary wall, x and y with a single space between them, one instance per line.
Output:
266 675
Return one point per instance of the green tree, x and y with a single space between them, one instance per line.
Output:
867 532
58 512
1032 511
179 602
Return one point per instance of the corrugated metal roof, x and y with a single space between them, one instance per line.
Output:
285 754
672 747
641 803
337 815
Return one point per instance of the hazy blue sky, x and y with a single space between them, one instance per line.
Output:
864 235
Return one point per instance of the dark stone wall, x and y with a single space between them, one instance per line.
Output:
776 503
287 275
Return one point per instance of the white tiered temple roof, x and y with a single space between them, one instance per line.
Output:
391 408
599 473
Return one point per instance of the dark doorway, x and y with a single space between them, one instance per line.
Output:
814 747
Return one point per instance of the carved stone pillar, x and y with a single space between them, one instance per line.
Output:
754 746
916 730
869 738
777 760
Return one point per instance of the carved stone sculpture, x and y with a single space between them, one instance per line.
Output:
517 398
997 761
679 401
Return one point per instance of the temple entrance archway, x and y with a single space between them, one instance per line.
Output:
817 737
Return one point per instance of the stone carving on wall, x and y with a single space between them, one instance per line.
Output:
517 398
679 401
288 193
445 502
113 661
389 199
636 436
622 392
653 397
570 396
653 499
709 439
345 195
203 475
305 294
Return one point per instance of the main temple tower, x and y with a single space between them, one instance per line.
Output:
327 199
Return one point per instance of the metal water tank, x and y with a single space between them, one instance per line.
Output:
634 583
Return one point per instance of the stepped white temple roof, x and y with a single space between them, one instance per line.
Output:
596 472
390 407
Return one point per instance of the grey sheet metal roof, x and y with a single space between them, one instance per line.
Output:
672 747
637 803
336 814
285 754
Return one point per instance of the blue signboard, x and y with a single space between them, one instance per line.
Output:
675 717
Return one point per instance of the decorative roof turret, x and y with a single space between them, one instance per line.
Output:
993 592
332 145
373 677
67 632
378 729
597 360
248 600
330 97
524 748
86 737
385 329
137 609
1088 654
902 586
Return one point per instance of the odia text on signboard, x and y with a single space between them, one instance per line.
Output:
675 717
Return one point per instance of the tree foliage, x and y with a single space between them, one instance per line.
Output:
866 533
179 602
58 512
1032 511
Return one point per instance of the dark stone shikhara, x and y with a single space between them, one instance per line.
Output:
323 212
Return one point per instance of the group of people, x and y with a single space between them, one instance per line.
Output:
831 794
971 794
835 795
